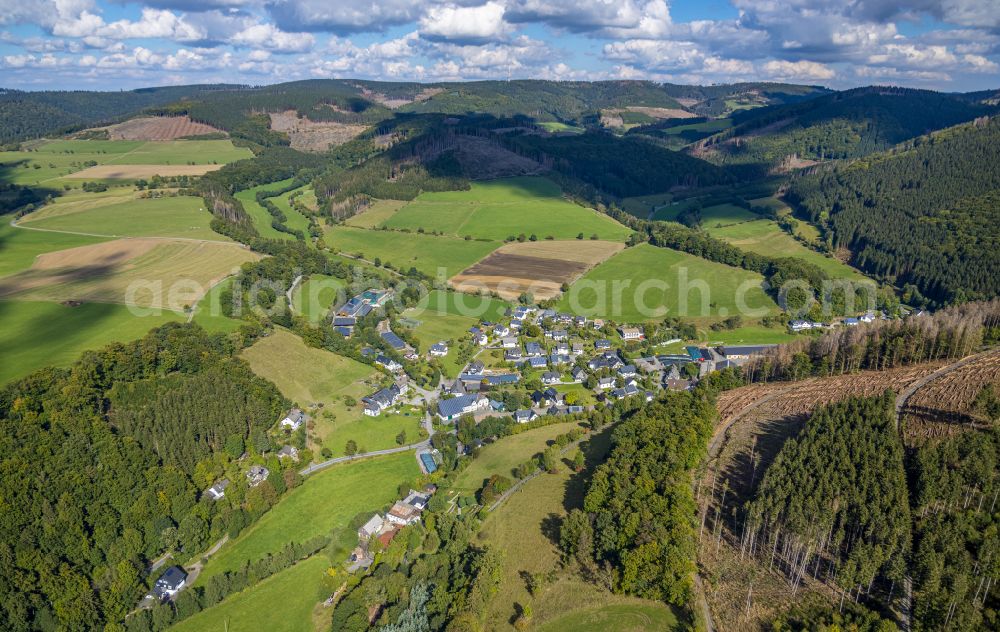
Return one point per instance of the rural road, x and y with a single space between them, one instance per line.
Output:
220 242
315 467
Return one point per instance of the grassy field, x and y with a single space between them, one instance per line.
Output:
643 205
621 288
766 237
504 455
375 215
455 303
154 273
19 246
426 253
714 125
525 528
294 219
623 617
803 229
557 127
305 375
54 159
725 214
375 433
326 501
499 209
312 377
121 215
208 311
258 214
314 296
669 212
40 334
283 602
435 328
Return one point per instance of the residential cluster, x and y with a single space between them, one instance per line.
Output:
383 529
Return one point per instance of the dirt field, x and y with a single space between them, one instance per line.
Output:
158 273
613 117
943 407
539 267
129 172
393 103
159 128
755 421
306 135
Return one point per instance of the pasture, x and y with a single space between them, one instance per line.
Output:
159 128
726 214
117 214
538 268
644 205
803 229
558 127
294 219
37 334
320 381
136 172
20 247
325 502
645 283
523 528
427 253
145 272
283 602
442 302
502 456
208 312
498 209
433 328
765 237
258 214
375 433
315 295
375 215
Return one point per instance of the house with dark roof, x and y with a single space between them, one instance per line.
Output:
407 511
627 370
257 474
604 383
512 355
380 400
578 374
293 420
439 349
602 343
508 343
524 416
168 584
551 377
537 363
388 363
393 340
288 452
574 409
344 321
451 409
475 367
557 359
533 349
559 334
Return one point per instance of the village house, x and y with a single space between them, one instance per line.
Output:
601 344
407 511
627 370
288 452
557 359
388 363
168 584
499 331
293 420
508 343
516 324
218 491
512 355
537 363
524 416
604 383
374 527
393 340
380 400
579 374
551 377
559 334
450 409
533 349
257 474
475 367
577 348
439 349
631 333
562 348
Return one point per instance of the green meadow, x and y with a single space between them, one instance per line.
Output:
294 219
325 502
258 214
375 215
499 209
376 433
557 127
127 216
283 602
426 253
315 295
208 312
765 237
19 246
49 160
38 334
629 287
502 456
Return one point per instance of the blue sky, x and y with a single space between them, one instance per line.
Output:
116 44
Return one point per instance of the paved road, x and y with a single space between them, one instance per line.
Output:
315 467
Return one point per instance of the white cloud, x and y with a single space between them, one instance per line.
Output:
342 16
270 37
154 23
797 71
467 24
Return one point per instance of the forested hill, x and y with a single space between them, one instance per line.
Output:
926 213
33 114
847 124
103 465
719 99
